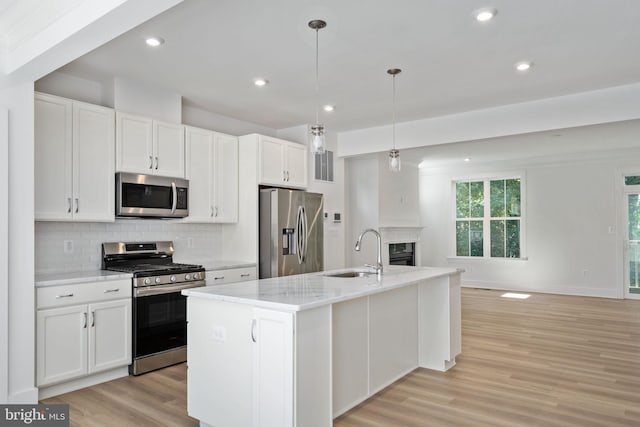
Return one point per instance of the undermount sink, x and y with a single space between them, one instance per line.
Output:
351 274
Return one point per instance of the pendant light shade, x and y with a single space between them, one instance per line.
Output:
394 155
316 132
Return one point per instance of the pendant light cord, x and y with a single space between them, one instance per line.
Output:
317 84
394 111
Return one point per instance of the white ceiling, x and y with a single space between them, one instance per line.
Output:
450 62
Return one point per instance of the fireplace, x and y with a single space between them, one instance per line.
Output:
401 245
402 253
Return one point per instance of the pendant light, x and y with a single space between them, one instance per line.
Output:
394 155
316 133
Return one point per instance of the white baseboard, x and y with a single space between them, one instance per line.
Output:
77 384
558 290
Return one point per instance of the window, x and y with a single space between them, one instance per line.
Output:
493 229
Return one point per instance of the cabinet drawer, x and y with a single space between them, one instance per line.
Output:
218 277
80 293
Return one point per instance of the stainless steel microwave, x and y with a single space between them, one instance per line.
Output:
151 196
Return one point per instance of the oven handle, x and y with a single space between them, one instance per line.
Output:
165 289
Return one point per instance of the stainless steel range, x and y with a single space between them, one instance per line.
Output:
159 309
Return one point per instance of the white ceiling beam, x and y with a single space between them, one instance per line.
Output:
587 108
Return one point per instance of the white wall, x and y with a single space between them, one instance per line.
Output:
140 98
361 195
194 116
20 304
72 87
572 203
4 256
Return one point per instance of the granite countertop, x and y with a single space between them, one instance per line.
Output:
305 291
73 277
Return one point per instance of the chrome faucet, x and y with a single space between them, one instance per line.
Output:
378 266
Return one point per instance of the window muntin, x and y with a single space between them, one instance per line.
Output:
496 224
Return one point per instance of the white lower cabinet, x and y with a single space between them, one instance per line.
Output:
75 340
61 344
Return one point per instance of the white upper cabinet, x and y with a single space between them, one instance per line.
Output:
212 171
74 160
147 146
225 178
282 163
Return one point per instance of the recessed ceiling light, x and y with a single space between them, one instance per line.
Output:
486 14
154 41
523 65
515 296
260 82
467 159
328 108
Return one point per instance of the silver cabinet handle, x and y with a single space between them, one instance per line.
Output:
150 162
216 209
287 176
77 205
218 278
253 330
245 275
68 204
64 296
106 291
85 319
93 319
284 175
211 211
156 162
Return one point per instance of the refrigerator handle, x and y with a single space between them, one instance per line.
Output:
305 234
299 235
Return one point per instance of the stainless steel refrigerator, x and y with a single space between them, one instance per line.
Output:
291 232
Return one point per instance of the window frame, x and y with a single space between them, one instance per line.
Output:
486 220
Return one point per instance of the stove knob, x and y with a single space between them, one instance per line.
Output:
196 276
187 277
173 278
157 280
147 281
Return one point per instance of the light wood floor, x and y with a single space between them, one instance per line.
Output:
547 361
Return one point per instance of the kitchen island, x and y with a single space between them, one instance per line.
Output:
301 350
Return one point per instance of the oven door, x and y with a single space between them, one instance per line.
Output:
159 318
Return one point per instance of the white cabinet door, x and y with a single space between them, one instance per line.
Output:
134 144
53 168
61 343
93 162
273 369
168 149
271 157
109 335
225 179
296 165
199 172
